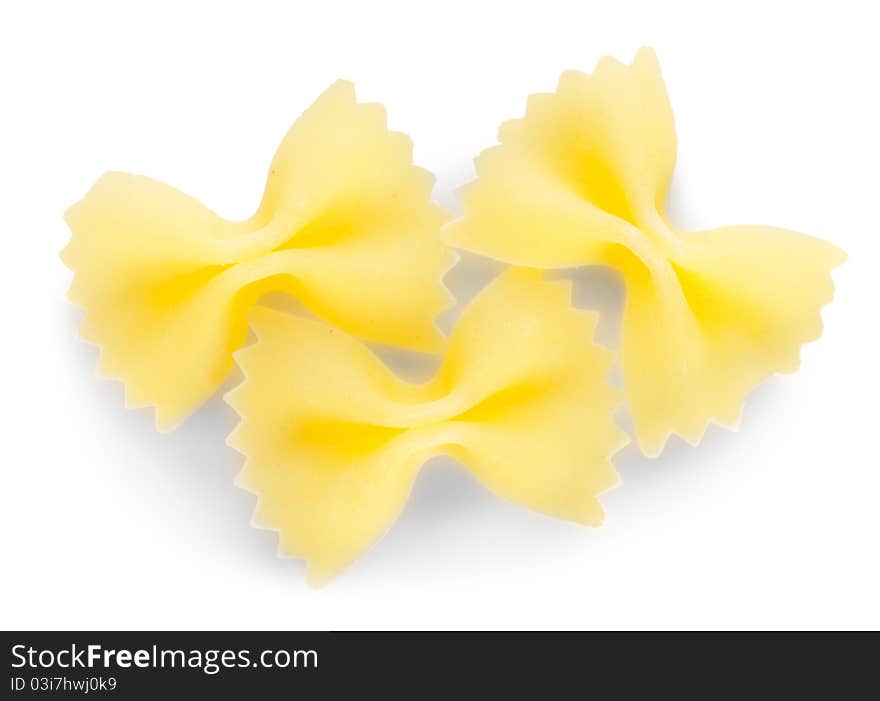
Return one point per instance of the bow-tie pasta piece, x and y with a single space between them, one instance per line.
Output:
582 180
346 225
333 439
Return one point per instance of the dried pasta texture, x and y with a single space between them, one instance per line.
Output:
581 180
333 439
346 225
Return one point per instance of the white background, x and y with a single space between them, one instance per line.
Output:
108 524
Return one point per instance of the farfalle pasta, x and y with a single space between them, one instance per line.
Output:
333 439
346 225
582 180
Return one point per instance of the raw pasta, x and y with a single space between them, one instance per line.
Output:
582 180
346 225
333 440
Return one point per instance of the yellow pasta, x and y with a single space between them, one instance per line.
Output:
581 180
346 225
334 439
